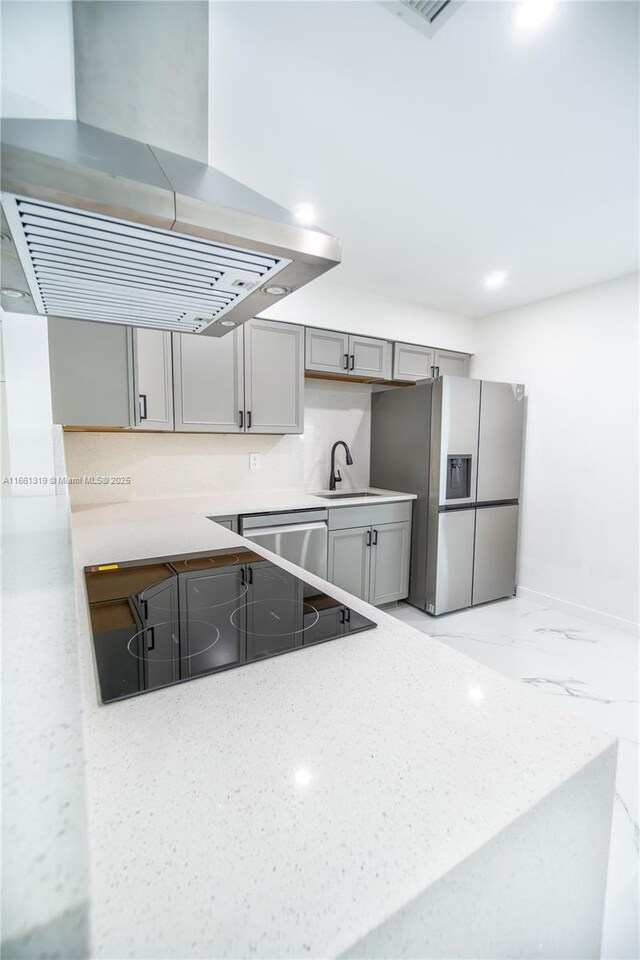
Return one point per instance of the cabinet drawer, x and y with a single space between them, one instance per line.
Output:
342 518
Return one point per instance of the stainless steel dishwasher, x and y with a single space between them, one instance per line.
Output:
300 537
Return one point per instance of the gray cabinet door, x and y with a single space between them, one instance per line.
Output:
152 379
370 357
390 546
349 560
451 364
208 382
274 377
412 362
326 351
494 569
91 381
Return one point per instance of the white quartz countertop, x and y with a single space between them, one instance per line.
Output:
288 807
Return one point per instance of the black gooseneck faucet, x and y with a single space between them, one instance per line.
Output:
335 474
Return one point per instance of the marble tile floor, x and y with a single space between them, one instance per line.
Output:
596 670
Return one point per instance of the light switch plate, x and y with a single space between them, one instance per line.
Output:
254 461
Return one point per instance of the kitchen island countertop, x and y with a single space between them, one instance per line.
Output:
295 805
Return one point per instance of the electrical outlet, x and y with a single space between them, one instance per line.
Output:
254 461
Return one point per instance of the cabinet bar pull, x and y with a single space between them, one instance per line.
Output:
142 405
151 645
241 416
248 419
346 361
353 361
368 538
342 618
375 538
347 615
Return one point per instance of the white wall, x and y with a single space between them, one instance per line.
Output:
332 302
182 464
578 356
37 59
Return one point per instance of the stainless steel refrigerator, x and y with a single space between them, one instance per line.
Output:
457 444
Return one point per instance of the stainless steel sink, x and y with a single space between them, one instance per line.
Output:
346 496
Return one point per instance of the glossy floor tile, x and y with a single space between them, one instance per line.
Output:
595 670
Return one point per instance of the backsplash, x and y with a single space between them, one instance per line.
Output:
185 464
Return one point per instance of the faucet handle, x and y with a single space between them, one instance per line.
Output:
337 477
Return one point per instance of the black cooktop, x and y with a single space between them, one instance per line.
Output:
162 621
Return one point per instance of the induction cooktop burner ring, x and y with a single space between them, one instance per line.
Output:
287 633
162 623
204 606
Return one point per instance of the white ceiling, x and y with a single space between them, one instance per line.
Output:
440 160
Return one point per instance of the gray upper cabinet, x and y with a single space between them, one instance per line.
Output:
152 379
327 351
370 357
90 367
412 362
331 352
274 377
390 550
208 382
450 363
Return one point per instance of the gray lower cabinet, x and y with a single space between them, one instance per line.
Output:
412 362
208 382
371 562
332 352
450 363
390 552
273 377
349 560
229 522
90 368
152 379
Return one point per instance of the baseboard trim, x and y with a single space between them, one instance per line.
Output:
587 613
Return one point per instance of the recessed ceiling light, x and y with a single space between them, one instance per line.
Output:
276 291
495 280
529 14
305 213
13 294
228 323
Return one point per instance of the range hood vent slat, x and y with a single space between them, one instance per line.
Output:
99 268
111 229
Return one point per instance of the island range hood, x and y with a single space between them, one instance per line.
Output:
100 227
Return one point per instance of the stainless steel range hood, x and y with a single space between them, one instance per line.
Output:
100 227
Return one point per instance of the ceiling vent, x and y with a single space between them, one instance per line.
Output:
427 16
